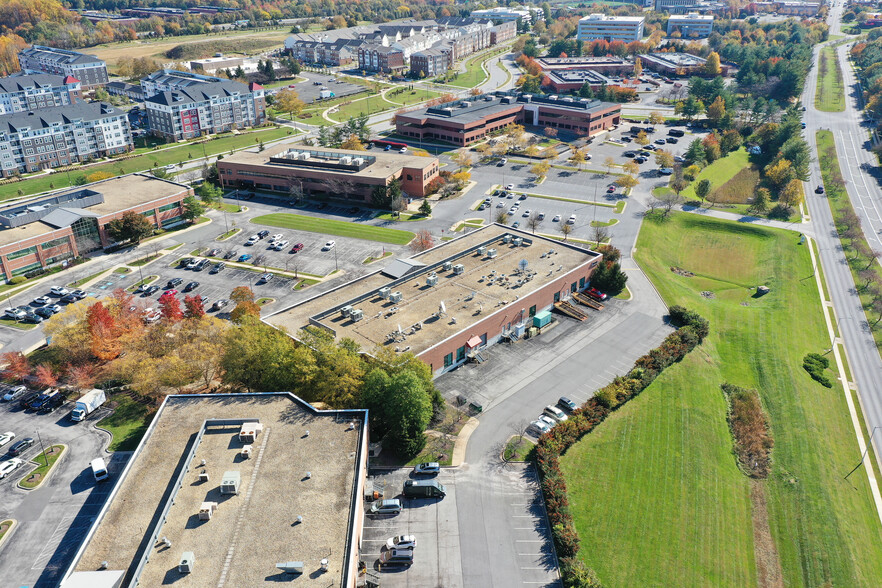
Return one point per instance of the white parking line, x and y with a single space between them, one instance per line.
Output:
529 540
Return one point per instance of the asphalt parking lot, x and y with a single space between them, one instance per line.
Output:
53 518
309 91
437 558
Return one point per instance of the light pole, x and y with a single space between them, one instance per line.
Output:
336 267
42 449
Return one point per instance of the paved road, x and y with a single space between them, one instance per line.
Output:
863 355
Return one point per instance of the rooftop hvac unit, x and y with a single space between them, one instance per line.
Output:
356 315
568 99
553 97
346 310
492 253
249 432
291 567
358 160
482 250
203 476
187 561
458 269
464 104
230 482
206 510
395 297
384 293
488 98
293 154
247 451
447 265
506 238
346 159
518 241
432 280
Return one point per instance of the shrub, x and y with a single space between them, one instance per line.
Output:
18 280
816 364
750 430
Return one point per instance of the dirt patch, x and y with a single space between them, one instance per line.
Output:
34 478
681 272
4 527
768 564
749 425
708 294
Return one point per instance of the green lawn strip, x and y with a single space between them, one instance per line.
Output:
5 526
576 200
410 97
855 398
143 282
719 172
666 456
81 281
262 301
122 270
839 204
372 259
325 226
145 162
403 217
42 469
145 260
127 424
624 294
474 75
171 247
228 234
820 269
8 322
830 94
608 223
232 208
369 106
517 449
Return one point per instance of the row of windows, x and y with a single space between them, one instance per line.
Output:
171 206
56 243
22 252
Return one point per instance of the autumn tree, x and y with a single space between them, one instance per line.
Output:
638 71
340 365
540 170
81 376
45 376
288 100
716 111
565 228
760 200
609 162
791 195
103 333
656 118
130 227
353 143
780 173
631 167
626 181
193 307
422 241
577 158
712 66
664 158
16 366
170 307
642 139
678 183
243 296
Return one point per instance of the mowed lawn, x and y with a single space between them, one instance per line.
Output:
830 94
719 172
324 226
657 498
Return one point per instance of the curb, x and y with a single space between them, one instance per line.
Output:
9 533
52 470
462 440
502 455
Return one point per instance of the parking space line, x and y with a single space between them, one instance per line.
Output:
530 540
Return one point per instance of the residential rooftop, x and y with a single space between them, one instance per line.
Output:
22 82
599 17
45 118
304 462
425 315
62 56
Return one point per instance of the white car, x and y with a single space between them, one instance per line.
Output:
432 467
555 413
274 238
500 205
509 187
6 438
401 542
280 245
526 213
59 291
193 263
264 278
547 420
42 300
252 240
556 218
402 150
538 428
9 466
329 245
571 220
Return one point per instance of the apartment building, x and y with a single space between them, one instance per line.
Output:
23 92
166 80
610 28
692 25
375 57
431 62
205 108
90 70
61 135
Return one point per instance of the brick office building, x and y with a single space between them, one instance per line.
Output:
452 301
467 121
90 70
329 173
24 92
47 230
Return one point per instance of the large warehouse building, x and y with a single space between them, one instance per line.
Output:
332 173
233 490
447 304
47 230
470 120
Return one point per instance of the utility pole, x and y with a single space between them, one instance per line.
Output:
42 449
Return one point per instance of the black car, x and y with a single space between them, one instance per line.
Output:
27 399
151 290
639 160
79 294
819 190
629 154
32 318
566 404
230 254
191 286
174 282
263 234
672 140
218 267
184 261
69 298
21 446
44 312
54 402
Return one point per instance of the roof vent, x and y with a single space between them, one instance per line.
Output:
104 565
203 476
187 561
308 475
351 426
291 567
325 565
299 519
306 434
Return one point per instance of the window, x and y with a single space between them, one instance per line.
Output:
573 287
448 360
171 206
581 283
21 253
533 310
56 243
557 296
460 353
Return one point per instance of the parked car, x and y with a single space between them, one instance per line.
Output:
169 292
566 404
526 213
610 189
58 291
264 278
151 290
555 413
218 267
6 438
274 238
214 252
297 247
666 171
571 220
659 141
14 313
556 218
672 140
547 420
509 187
191 286
32 318
13 393
79 294
9 466
541 216
41 300
596 294
404 149
431 467
69 299
515 224
329 245
388 506
231 254
219 304
280 245
640 159
192 263
174 282
630 153
396 557
244 257
21 446
44 311
263 233
523 197
538 428
252 240
153 317
401 542
502 162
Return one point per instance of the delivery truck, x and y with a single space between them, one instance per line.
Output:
87 404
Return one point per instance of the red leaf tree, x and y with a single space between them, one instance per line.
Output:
15 366
45 376
194 309
102 329
170 307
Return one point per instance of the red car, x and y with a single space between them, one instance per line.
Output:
171 292
611 189
297 248
596 294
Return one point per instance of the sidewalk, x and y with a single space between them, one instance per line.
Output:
801 227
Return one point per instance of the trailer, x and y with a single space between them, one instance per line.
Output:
87 404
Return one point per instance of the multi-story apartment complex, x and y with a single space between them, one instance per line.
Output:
610 28
375 57
692 25
432 61
61 135
23 92
208 107
90 70
166 80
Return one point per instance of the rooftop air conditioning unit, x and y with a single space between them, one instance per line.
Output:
488 98
447 265
346 160
553 97
203 476
492 253
384 293
358 160
465 104
356 315
482 250
291 567
206 510
395 297
187 561
506 238
346 310
518 241
230 482
304 155
432 280
458 269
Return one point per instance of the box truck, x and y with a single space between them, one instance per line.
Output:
87 404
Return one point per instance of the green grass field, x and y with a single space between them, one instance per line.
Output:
144 162
474 75
655 491
128 423
325 226
830 95
719 172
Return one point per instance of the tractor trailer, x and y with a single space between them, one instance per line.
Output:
87 404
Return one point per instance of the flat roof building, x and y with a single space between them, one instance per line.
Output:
216 63
570 80
692 25
610 28
449 303
90 70
331 173
504 14
681 64
675 6
232 490
605 65
48 230
467 121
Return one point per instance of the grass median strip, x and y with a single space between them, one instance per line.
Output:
830 95
45 460
298 222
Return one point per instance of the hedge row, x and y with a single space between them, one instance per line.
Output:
691 331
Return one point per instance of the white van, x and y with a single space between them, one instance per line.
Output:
99 469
